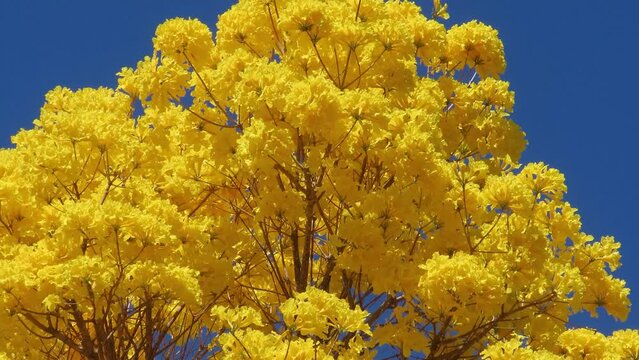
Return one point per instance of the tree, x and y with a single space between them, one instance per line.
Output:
325 179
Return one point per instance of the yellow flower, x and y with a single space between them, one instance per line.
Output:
440 10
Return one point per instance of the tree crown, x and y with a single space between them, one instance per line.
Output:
324 179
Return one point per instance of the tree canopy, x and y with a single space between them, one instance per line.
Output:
319 179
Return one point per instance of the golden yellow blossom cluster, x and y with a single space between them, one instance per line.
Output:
314 179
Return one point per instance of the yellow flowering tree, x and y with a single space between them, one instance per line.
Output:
318 179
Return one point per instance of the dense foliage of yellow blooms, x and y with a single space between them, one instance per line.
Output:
318 179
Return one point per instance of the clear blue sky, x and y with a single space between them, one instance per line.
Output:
571 63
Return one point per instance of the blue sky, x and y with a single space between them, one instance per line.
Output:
570 63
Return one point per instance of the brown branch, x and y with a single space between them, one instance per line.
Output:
297 265
279 42
51 331
202 202
359 76
314 39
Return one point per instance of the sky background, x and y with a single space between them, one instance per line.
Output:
570 62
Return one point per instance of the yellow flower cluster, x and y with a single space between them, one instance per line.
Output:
317 179
185 42
477 45
585 344
315 312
